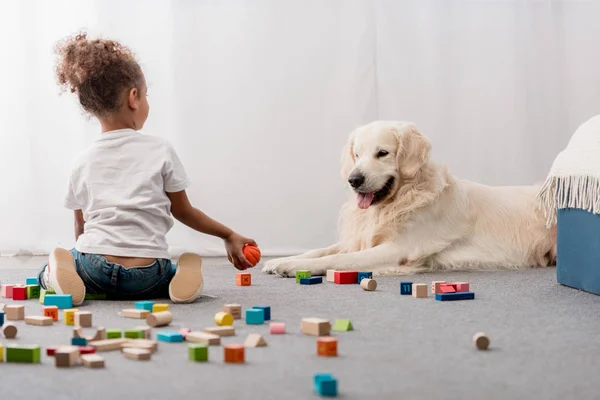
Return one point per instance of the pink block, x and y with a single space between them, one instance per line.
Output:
277 328
184 331
447 288
7 291
462 286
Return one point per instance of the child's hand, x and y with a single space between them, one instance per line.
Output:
234 244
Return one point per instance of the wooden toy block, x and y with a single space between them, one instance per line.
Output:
69 315
342 325
302 274
255 316
447 288
62 301
100 334
146 330
481 341
50 350
23 354
243 279
7 291
345 277
220 330
33 291
234 309
78 341
331 275
9 331
203 337
134 334
19 293
14 312
135 313
66 356
419 290
78 332
50 311
39 320
255 340
114 333
315 326
144 305
198 352
234 353
364 275
1 353
92 361
327 346
266 310
368 284
31 281
150 345
435 286
184 332
169 336
277 328
1 318
107 344
405 288
325 385
134 353
87 349
161 318
43 293
2 305
313 280
223 319
95 296
455 296
83 319
462 287
160 307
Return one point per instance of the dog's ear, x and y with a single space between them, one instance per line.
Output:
413 150
348 157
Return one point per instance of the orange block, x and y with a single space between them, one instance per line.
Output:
243 279
51 311
234 353
327 346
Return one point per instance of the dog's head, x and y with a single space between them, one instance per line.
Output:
380 156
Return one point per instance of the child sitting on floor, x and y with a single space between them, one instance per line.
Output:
123 190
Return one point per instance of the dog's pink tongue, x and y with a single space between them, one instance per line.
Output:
364 200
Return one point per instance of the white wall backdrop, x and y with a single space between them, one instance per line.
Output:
258 96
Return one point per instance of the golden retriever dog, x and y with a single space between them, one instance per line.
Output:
409 215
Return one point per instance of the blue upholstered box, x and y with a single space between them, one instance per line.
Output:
578 249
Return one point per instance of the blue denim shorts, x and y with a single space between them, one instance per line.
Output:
118 282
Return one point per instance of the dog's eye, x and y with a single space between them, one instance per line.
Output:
382 153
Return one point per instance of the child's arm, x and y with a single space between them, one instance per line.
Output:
79 223
182 209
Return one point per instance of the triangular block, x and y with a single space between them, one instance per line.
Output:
342 325
255 340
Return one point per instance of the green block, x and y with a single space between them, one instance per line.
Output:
33 291
114 333
43 294
302 274
23 354
134 333
94 296
198 352
342 325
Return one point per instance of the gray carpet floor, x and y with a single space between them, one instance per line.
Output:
545 343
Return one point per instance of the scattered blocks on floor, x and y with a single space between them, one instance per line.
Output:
7 291
364 275
161 318
114 333
313 280
92 361
220 330
345 277
134 334
62 301
203 337
234 353
368 284
481 341
327 346
462 286
223 319
135 353
406 288
14 312
331 275
234 309
32 281
160 307
144 305
198 352
419 290
169 336
23 354
43 293
79 341
255 340
455 296
325 385
19 293
39 320
243 279
277 328
315 326
266 310
255 316
342 325
83 319
66 356
302 274
50 311
33 291
9 331
135 313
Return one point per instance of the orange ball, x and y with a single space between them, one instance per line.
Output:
252 254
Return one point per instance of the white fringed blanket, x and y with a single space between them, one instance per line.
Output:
574 179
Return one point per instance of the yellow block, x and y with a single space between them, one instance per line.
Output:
223 318
69 316
160 307
1 353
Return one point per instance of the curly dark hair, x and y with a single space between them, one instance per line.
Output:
98 71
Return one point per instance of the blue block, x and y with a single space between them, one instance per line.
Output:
455 296
169 336
266 311
144 305
59 300
364 275
578 247
406 287
79 341
325 385
1 318
255 316
311 281
31 281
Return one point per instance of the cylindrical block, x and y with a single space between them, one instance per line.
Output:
482 342
327 346
368 284
10 331
159 319
277 328
222 318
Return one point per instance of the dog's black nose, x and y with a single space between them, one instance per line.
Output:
356 180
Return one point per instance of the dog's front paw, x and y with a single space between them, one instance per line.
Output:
281 267
271 265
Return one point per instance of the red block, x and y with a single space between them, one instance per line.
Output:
19 293
345 277
50 350
447 288
462 286
87 349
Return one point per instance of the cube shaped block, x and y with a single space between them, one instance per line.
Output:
302 274
266 310
255 316
69 315
144 305
50 311
325 385
406 288
19 293
198 352
243 279
363 275
234 353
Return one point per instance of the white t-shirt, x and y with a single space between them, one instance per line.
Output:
119 183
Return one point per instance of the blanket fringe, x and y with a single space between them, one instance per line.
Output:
558 192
